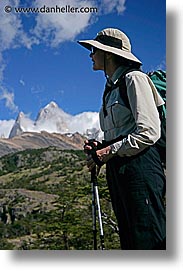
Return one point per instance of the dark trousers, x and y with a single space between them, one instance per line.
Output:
137 189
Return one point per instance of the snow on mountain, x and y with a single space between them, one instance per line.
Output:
53 119
22 124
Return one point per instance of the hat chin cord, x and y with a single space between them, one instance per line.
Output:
105 73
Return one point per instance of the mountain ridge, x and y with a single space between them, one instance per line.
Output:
53 119
35 140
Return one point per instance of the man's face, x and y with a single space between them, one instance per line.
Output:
97 57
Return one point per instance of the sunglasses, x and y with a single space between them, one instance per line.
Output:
93 50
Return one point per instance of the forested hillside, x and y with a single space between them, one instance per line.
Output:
45 202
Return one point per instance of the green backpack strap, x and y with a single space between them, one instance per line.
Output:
159 79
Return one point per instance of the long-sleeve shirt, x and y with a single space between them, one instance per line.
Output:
139 124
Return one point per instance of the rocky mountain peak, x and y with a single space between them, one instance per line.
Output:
52 104
53 119
17 128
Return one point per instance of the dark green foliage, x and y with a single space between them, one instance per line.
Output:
50 191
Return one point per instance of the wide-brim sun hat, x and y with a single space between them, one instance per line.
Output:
113 41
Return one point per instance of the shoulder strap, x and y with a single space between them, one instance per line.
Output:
121 83
122 89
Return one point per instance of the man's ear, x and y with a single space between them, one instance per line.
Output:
108 55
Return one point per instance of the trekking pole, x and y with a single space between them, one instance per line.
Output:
95 198
96 208
93 175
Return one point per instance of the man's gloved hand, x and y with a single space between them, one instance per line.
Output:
96 155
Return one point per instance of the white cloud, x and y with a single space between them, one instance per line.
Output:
108 6
54 120
2 67
162 65
50 28
54 28
22 82
12 33
9 99
84 121
5 127
12 36
9 26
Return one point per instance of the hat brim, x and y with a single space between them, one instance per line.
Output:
88 44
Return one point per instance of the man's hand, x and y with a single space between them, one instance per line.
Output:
103 154
87 147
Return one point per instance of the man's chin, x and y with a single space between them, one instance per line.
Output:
95 68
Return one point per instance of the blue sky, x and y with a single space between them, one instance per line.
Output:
41 61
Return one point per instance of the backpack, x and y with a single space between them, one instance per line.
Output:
158 77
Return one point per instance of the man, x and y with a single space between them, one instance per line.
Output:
131 128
